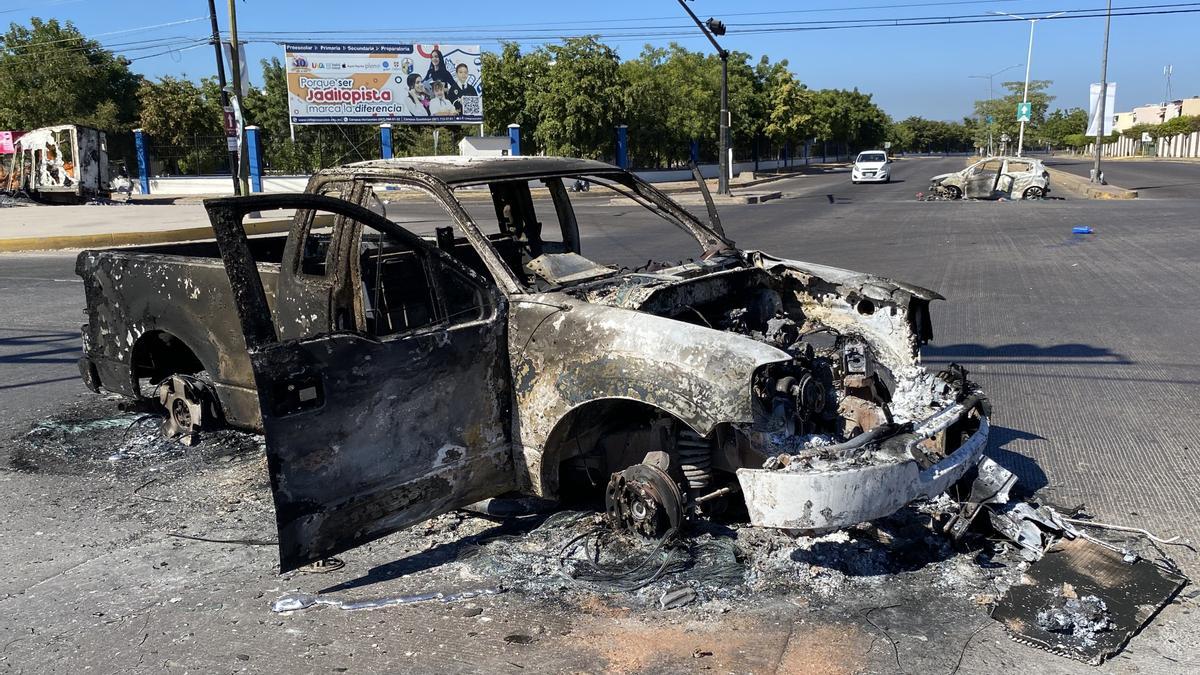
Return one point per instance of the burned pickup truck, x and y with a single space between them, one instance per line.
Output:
419 341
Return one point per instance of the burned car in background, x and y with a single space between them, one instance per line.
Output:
402 365
994 178
59 164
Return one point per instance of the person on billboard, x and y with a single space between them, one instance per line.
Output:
411 104
461 87
439 104
437 69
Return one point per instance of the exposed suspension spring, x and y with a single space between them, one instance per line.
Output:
695 459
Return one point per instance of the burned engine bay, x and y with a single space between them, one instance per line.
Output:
846 425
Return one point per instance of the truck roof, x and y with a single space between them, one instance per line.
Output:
458 170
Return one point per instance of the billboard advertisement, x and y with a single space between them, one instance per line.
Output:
429 83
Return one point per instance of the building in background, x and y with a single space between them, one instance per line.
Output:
484 146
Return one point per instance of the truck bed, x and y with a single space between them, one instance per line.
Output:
155 309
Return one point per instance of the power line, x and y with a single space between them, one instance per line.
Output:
559 27
41 43
668 31
652 33
950 17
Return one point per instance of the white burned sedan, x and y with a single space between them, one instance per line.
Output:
871 166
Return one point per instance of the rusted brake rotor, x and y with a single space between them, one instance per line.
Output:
643 499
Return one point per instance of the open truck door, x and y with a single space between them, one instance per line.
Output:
394 416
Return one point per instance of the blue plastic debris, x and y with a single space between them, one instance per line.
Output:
1081 229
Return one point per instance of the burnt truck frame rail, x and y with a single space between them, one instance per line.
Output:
510 361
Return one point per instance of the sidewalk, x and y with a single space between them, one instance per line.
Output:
32 228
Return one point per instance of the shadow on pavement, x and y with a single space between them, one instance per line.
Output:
440 554
1023 353
1030 477
40 348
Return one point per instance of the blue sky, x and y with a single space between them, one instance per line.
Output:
919 70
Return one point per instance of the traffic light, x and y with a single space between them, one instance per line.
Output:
715 27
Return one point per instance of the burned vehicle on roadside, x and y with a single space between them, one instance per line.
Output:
994 178
65 164
404 360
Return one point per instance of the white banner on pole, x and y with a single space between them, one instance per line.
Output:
1110 107
243 71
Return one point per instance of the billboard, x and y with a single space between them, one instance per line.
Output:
427 83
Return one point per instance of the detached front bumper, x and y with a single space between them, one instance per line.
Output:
837 498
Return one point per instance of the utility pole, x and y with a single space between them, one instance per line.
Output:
235 63
216 41
1028 63
1097 177
709 28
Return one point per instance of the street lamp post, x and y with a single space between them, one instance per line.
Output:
991 96
710 28
1097 176
1028 60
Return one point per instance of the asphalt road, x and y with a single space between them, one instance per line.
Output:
41 310
1152 178
1086 345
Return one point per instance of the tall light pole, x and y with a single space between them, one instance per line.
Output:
1098 177
709 28
1028 59
989 77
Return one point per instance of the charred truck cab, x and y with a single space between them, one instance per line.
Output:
400 376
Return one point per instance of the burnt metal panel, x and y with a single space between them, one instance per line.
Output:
367 436
132 296
1131 590
567 353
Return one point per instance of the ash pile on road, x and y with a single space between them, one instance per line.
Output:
94 437
1080 618
569 555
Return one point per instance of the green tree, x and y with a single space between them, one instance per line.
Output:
648 103
849 118
1060 124
1003 112
509 79
183 120
51 74
579 99
791 112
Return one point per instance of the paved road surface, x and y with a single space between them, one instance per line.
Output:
1085 343
1153 178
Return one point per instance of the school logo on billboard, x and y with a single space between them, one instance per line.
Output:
426 83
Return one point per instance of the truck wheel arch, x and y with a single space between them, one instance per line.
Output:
573 428
157 354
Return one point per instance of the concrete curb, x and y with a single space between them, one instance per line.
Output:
110 239
1082 187
696 199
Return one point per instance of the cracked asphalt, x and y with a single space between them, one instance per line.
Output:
1084 343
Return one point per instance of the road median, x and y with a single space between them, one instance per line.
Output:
1082 187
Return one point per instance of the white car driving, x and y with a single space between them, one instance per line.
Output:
871 166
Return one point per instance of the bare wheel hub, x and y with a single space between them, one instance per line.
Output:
183 398
644 500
